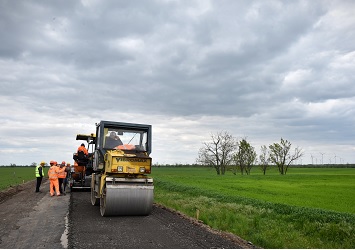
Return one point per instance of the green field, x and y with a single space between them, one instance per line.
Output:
12 176
307 208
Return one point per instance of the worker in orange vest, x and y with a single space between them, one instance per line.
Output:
82 148
61 176
53 178
58 170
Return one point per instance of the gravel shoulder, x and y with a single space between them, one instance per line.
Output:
32 220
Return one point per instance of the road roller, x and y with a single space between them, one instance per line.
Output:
121 164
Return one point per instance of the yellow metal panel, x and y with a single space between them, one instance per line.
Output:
102 182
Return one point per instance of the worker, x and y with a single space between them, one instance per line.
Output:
58 170
83 149
66 180
112 140
39 175
53 178
61 176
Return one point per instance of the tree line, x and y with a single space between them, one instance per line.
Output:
225 151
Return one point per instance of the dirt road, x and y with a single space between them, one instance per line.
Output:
36 220
32 220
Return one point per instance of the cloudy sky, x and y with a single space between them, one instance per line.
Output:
263 70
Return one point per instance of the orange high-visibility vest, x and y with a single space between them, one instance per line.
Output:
53 173
62 173
82 148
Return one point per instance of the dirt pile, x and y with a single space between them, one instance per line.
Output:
9 192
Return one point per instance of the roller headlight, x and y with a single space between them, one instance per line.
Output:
120 169
142 170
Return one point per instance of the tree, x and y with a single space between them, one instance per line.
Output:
281 156
219 152
245 156
264 159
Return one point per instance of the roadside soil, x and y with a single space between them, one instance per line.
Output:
36 220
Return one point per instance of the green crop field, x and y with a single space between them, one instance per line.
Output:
12 176
307 208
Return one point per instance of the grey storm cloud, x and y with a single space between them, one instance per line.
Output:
266 69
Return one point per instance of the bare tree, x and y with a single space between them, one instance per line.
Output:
219 152
245 156
281 156
264 159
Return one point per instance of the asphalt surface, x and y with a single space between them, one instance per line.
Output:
36 220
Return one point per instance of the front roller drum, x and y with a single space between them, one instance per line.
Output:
126 199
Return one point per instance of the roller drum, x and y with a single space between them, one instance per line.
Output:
125 199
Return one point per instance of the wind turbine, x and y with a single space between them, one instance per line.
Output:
322 157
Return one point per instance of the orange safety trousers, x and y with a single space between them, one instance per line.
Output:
54 183
53 180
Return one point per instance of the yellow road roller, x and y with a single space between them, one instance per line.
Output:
121 163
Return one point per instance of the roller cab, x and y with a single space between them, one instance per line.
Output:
120 183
